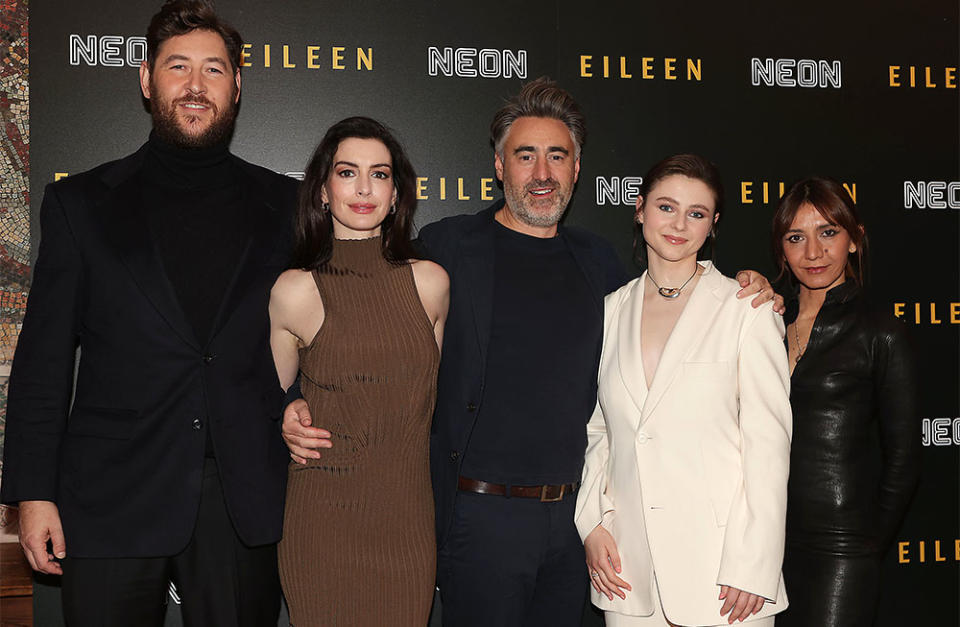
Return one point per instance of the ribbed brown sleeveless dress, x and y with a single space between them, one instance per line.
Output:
358 544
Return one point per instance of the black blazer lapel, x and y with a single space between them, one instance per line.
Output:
264 235
478 248
125 225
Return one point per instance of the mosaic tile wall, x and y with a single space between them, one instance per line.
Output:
14 187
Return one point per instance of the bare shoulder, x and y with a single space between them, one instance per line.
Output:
429 275
293 288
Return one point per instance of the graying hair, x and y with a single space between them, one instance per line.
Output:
541 98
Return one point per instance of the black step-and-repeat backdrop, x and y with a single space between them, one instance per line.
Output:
864 92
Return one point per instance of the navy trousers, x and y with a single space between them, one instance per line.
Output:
512 562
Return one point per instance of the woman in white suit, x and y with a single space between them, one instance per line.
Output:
684 485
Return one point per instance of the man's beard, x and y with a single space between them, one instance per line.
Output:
522 204
167 123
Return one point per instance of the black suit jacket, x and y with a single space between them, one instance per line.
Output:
465 247
124 461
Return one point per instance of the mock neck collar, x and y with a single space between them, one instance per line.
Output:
187 168
836 295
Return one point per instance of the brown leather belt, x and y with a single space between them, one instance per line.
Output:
546 493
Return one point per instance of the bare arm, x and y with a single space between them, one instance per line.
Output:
296 312
433 287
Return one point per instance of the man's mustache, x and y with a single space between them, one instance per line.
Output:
551 182
197 99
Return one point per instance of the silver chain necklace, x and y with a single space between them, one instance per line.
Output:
671 292
796 334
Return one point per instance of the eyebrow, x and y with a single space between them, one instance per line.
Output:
354 165
181 57
520 149
697 206
828 225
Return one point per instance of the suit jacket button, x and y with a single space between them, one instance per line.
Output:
197 425
642 438
208 358
471 407
454 455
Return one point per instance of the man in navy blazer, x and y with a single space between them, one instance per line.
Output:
517 381
167 463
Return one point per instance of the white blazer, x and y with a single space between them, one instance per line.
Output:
690 477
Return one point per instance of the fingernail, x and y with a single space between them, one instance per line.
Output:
61 555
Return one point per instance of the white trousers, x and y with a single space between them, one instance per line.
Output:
657 619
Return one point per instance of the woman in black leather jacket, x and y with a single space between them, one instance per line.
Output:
855 456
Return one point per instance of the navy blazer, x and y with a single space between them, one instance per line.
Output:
125 467
465 247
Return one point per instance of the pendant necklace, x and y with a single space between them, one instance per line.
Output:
796 334
671 292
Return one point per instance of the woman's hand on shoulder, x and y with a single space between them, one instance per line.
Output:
603 564
753 283
433 286
740 603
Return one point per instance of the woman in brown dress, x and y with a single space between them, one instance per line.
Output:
361 320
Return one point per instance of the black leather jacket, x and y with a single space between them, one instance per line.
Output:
855 457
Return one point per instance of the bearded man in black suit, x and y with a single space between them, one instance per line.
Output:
167 463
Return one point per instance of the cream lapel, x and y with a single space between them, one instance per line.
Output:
692 325
629 358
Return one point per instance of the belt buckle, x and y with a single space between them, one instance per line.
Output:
543 493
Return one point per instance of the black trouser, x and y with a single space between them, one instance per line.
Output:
220 580
512 562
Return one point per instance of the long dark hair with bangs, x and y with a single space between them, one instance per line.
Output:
313 232
835 204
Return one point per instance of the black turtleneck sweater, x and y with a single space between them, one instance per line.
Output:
193 200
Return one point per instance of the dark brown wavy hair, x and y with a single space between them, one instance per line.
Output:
313 232
179 17
834 203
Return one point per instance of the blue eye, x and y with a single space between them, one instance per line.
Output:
665 208
697 214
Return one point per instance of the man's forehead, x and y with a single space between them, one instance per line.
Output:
537 131
195 44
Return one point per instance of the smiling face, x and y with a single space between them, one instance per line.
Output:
360 188
817 250
538 167
193 90
677 215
